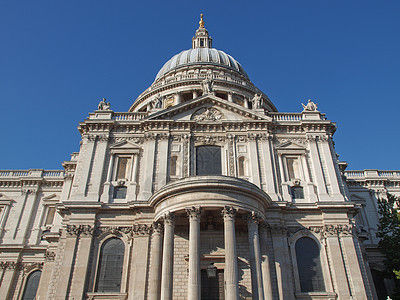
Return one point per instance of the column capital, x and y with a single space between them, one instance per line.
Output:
253 217
194 212
229 212
169 218
157 228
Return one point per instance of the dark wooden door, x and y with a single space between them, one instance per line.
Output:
212 288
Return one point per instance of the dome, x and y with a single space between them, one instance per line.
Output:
207 56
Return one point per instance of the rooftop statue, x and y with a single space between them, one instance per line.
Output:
103 105
207 86
256 101
311 106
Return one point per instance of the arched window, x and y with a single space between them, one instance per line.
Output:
31 286
208 160
309 265
242 166
110 266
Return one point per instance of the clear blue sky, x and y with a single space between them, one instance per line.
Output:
59 58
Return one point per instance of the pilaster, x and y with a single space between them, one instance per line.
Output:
147 168
139 261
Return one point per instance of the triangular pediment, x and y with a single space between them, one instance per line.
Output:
290 146
208 108
121 145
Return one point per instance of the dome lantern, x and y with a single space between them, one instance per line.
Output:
201 38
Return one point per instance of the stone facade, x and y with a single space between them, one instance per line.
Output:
201 175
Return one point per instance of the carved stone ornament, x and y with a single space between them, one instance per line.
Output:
50 255
157 228
103 105
28 267
169 218
339 229
142 229
209 139
207 86
157 102
116 230
207 114
194 212
229 212
231 155
9 265
186 141
77 230
253 217
310 106
256 101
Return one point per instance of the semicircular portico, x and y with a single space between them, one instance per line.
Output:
209 192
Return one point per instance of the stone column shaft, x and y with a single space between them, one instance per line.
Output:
168 258
194 280
231 270
267 279
155 271
255 257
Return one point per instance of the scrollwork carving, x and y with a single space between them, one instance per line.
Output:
77 230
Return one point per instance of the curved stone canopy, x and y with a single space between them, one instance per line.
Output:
210 191
206 56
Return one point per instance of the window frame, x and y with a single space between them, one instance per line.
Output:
25 281
327 278
221 149
105 236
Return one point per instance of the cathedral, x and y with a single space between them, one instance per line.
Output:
201 190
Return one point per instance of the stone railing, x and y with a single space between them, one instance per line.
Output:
32 173
197 76
372 174
136 116
286 116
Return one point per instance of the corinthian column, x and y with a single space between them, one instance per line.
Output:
255 256
194 288
231 271
168 257
154 288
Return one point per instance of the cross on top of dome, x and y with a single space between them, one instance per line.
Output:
201 38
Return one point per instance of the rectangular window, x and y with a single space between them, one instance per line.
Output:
124 166
120 192
293 168
172 166
50 216
208 160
